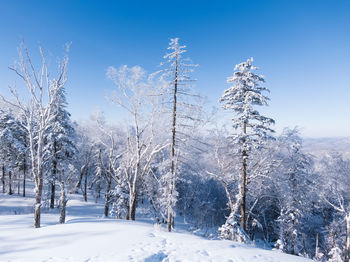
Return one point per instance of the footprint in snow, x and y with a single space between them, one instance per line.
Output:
158 257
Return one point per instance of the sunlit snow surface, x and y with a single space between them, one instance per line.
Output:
88 237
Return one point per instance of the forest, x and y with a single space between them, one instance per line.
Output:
173 157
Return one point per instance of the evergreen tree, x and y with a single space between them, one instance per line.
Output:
59 147
12 149
253 128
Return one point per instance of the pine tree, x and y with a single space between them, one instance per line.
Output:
12 148
253 128
59 145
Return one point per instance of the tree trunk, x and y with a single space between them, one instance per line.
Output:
18 184
10 183
170 220
3 179
109 182
85 186
37 206
77 186
230 203
316 246
347 241
244 182
63 203
292 245
132 208
53 190
98 189
127 215
24 176
54 174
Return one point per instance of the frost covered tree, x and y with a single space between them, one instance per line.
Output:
293 181
86 146
110 150
335 255
22 157
59 146
134 95
335 192
12 149
253 128
223 170
43 90
177 92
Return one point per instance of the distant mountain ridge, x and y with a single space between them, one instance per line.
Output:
320 146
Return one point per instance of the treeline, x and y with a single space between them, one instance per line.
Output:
167 155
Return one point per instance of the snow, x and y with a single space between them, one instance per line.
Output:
88 237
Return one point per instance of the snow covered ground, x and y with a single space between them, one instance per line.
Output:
88 237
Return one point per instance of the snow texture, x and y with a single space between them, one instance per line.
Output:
88 237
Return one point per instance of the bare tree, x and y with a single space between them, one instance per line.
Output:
134 95
42 90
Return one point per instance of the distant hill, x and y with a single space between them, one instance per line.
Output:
320 146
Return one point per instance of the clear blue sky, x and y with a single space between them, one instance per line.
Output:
302 48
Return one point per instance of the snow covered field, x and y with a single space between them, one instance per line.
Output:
88 237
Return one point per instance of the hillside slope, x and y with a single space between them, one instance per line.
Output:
88 237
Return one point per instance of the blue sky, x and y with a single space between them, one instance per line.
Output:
302 48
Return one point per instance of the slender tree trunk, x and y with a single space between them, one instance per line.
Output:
3 179
18 184
82 171
24 176
316 246
170 220
85 186
53 190
98 189
38 195
132 209
63 202
54 174
10 183
244 182
230 203
347 239
108 196
292 240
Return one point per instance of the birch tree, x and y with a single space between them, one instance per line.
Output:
42 91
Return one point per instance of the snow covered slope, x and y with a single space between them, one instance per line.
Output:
86 237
